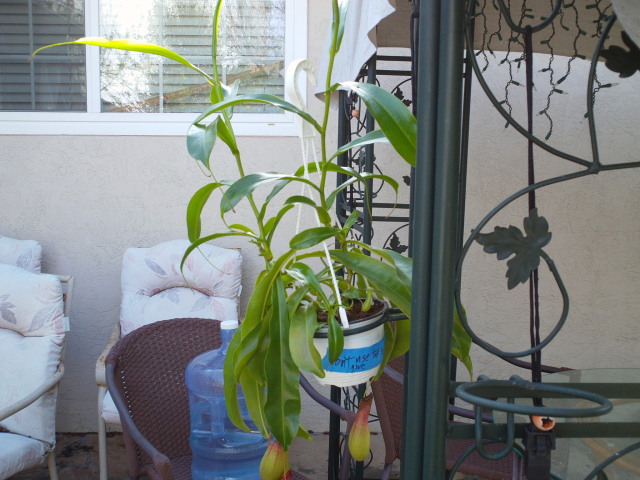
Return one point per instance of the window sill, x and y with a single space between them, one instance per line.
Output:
132 124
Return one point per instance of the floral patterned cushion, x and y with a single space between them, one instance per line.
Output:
154 288
31 336
30 303
25 254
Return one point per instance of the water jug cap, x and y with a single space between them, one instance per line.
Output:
229 324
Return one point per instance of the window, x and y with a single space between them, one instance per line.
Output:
89 90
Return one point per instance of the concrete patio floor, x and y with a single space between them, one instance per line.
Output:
77 458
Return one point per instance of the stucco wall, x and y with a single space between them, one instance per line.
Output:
87 199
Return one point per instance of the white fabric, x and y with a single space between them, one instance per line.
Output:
109 410
26 362
178 302
30 303
19 453
628 12
359 41
25 254
154 288
31 335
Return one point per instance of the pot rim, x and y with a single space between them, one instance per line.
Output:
369 324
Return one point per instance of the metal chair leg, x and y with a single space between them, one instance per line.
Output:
51 463
102 436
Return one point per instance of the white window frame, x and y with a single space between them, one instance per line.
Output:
95 122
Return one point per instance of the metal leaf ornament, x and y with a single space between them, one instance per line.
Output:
526 248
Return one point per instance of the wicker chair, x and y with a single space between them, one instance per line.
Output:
388 397
154 287
145 374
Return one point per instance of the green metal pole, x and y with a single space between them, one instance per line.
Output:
445 220
440 79
422 209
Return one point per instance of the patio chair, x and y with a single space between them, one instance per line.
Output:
34 311
154 406
154 288
388 397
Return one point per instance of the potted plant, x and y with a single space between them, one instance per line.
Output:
298 293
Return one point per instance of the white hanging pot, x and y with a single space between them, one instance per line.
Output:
362 353
628 13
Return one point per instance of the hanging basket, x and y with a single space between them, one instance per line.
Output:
362 353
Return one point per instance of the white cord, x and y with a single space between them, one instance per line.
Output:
307 144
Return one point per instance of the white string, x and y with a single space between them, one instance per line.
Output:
307 144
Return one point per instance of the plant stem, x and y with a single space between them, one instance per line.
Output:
263 244
335 26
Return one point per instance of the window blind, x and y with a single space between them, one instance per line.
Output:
54 80
251 51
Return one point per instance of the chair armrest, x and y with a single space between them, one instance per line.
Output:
101 379
343 413
394 375
160 461
453 409
34 395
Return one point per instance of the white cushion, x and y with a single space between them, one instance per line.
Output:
30 303
25 254
25 363
180 302
18 453
109 411
31 335
154 288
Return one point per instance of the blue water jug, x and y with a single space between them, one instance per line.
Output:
220 450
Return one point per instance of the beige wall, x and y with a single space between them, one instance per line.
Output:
86 199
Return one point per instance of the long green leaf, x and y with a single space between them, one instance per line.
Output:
255 397
201 139
402 339
260 298
384 278
335 339
195 244
274 191
194 209
230 386
376 136
271 224
389 341
225 134
245 186
309 277
304 323
402 264
311 236
394 118
283 405
132 46
343 8
362 178
461 343
260 98
248 347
